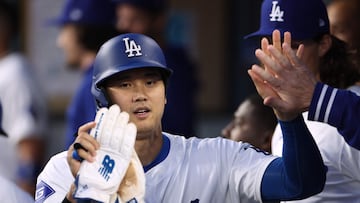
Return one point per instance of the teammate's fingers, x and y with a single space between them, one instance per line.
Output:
258 82
291 55
266 77
287 37
300 51
271 65
280 58
276 38
264 45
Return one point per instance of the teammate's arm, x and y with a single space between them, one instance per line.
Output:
339 108
300 173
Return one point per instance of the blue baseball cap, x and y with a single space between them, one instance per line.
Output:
154 6
88 12
305 19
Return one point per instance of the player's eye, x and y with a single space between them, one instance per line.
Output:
124 84
151 82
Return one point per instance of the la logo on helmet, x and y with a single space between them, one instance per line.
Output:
132 47
276 14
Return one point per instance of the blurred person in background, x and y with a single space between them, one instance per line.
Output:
149 17
328 59
84 26
24 108
10 192
253 122
344 17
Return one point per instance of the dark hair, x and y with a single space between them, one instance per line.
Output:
9 15
263 114
338 66
92 36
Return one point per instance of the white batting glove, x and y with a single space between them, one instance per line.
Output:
132 186
101 179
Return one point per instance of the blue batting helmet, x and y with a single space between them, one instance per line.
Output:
125 52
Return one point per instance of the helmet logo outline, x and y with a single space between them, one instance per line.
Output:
132 47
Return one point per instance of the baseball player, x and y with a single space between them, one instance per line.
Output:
24 108
253 122
10 192
317 52
84 26
149 17
340 108
130 71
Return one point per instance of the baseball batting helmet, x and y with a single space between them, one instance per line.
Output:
125 52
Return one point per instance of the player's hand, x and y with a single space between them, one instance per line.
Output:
100 179
286 84
86 148
133 184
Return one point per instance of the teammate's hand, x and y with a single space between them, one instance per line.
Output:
133 184
100 179
284 79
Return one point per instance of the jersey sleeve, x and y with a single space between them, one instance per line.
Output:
300 172
339 108
54 181
246 165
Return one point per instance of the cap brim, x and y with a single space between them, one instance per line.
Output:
258 33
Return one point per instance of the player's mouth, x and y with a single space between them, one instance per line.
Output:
141 112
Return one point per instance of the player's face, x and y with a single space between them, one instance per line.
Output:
132 19
141 93
344 22
314 50
68 42
244 127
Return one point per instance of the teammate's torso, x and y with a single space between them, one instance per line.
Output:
343 162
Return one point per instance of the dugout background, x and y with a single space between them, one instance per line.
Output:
213 31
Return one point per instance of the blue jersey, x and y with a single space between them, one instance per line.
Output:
339 108
82 108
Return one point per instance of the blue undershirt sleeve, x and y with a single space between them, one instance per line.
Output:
300 173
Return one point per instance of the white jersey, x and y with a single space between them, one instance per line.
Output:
191 170
23 106
343 177
12 193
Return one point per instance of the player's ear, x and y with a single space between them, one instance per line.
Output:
324 45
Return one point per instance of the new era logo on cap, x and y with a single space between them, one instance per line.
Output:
305 19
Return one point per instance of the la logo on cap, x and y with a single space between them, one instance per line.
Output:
276 14
132 47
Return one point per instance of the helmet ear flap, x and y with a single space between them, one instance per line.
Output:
100 96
